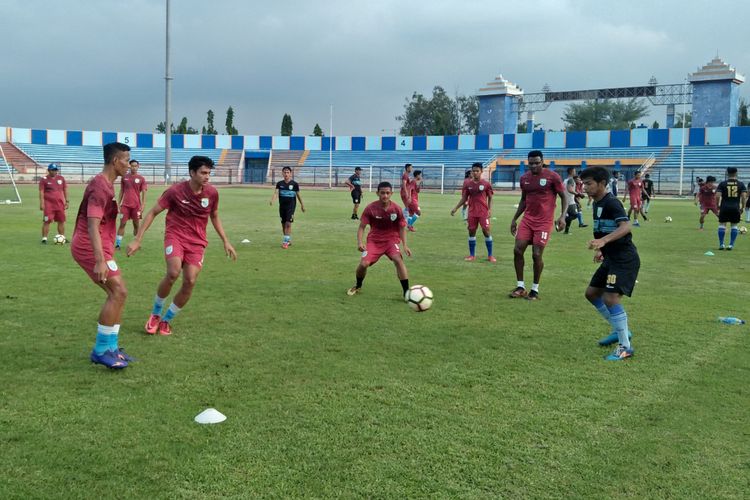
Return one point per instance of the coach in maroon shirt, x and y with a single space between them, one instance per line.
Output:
53 200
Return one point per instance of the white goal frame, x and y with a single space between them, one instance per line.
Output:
9 169
398 169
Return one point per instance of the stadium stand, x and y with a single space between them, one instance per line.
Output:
47 153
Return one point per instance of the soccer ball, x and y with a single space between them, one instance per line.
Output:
743 230
667 219
419 298
59 239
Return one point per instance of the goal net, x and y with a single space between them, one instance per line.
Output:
8 189
433 175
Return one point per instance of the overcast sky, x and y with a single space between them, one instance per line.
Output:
99 64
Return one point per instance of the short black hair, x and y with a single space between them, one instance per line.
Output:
357 168
416 173
647 176
134 161
731 170
477 164
597 174
407 166
286 168
710 178
197 162
467 174
385 184
571 169
112 149
535 152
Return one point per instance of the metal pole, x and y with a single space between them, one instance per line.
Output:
168 113
330 151
682 142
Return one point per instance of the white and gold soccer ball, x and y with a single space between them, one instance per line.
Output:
743 230
59 239
419 298
668 219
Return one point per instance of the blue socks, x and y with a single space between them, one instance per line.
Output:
722 232
171 312
118 240
412 219
580 217
619 320
106 338
472 245
158 305
733 235
287 238
599 305
488 242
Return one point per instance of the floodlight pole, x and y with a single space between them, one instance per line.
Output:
330 152
168 113
682 142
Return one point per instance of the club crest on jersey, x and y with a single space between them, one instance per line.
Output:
542 182
112 265
59 181
137 181
204 202
481 187
394 217
168 250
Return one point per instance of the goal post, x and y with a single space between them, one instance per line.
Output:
8 190
433 174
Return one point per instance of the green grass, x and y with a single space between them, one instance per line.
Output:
335 396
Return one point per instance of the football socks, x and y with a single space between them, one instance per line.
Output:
472 245
598 303
733 235
619 319
405 284
722 232
488 242
171 313
106 337
118 240
158 305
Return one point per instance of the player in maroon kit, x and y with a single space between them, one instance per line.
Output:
92 248
132 199
405 190
539 186
414 212
53 200
478 193
636 191
189 204
387 228
707 199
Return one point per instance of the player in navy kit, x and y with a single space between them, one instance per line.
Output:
617 274
732 194
288 193
354 183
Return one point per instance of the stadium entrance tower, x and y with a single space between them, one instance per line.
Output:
498 107
716 95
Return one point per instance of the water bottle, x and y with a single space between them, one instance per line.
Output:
730 320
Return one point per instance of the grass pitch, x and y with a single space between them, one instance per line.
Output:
335 396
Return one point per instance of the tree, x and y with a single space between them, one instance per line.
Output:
209 128
286 125
604 114
688 119
230 122
743 119
468 108
183 127
655 124
162 128
317 131
438 115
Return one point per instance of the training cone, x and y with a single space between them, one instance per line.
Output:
210 416
245 241
709 254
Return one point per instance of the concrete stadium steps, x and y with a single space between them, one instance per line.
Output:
449 158
279 159
229 164
46 153
18 159
708 157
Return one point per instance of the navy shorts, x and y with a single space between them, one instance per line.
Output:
617 276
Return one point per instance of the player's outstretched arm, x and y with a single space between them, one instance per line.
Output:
274 196
228 248
135 245
360 237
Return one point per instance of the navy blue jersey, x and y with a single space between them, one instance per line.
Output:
356 182
608 213
731 193
287 193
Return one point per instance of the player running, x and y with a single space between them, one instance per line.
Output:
387 228
288 194
648 192
189 204
53 200
619 260
414 212
354 183
732 195
635 191
92 248
478 193
707 199
132 199
539 186
405 189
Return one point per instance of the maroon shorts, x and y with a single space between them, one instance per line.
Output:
705 210
636 202
414 208
376 250
537 235
188 254
130 213
475 222
54 215
87 262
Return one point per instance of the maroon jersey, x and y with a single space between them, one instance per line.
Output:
707 196
415 192
635 186
53 189
579 186
405 188
384 222
541 191
188 212
98 202
478 194
131 188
